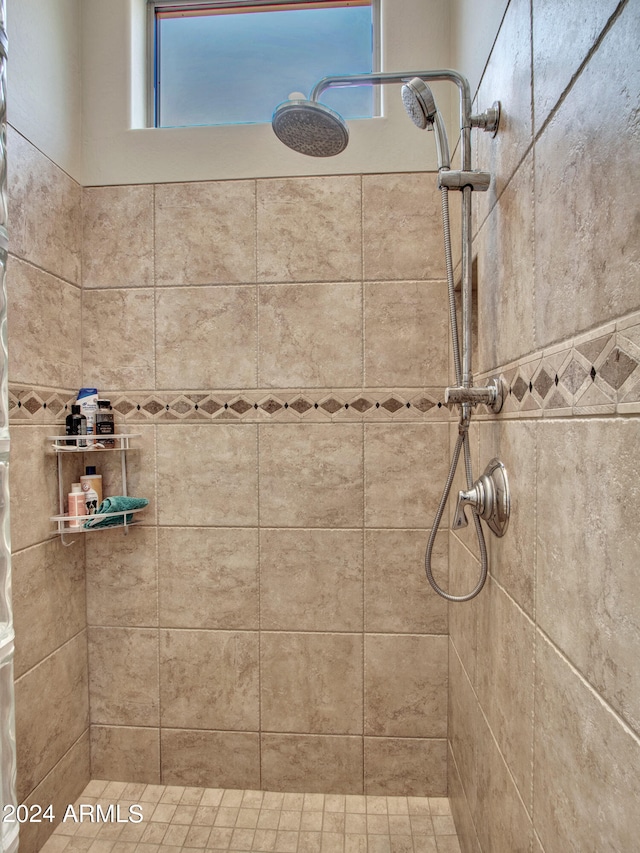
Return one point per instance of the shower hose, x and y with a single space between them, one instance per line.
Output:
463 434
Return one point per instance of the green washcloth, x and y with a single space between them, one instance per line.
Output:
119 504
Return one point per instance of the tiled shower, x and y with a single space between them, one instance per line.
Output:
280 345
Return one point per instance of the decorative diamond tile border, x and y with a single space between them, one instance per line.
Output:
254 406
38 405
596 373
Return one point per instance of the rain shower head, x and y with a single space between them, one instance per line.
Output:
310 128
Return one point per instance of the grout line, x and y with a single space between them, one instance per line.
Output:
259 593
257 283
155 286
159 668
364 617
534 511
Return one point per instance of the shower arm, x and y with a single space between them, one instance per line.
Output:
380 79
465 181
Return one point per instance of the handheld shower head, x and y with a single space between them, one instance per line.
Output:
419 103
310 128
421 108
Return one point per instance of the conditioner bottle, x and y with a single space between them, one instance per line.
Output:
92 487
77 505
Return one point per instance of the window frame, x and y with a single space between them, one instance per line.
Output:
153 93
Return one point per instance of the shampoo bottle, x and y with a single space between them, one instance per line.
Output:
77 505
88 402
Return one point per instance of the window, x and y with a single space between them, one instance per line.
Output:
229 62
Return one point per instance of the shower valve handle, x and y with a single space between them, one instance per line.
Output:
489 497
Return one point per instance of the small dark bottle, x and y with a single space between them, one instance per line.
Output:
76 424
103 424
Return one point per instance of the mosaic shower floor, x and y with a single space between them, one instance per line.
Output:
173 819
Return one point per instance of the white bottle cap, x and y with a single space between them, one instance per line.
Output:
76 488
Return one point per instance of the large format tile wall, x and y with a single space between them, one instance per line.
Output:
544 723
44 323
281 348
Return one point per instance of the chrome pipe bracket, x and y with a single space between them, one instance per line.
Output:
492 395
454 179
489 120
489 497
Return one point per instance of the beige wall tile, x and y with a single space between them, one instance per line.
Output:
588 552
311 580
122 588
47 583
465 829
501 818
405 469
206 337
463 730
406 333
43 327
208 578
330 702
594 805
117 338
117 236
310 335
125 754
205 233
298 234
402 231
412 767
506 299
587 236
209 679
508 79
211 759
506 639
464 574
33 485
311 475
406 685
561 41
398 597
63 785
52 712
213 463
123 676
44 211
327 763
